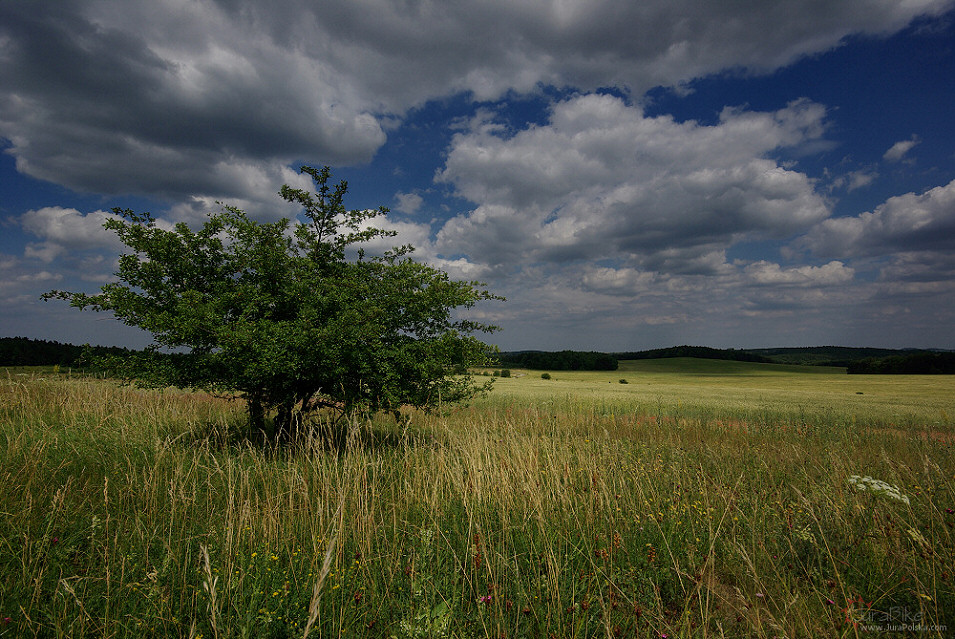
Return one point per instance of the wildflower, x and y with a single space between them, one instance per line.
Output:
878 487
486 599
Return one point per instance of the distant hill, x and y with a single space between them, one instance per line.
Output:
824 355
854 360
718 367
701 352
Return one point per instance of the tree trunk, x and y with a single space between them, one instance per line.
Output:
256 412
286 422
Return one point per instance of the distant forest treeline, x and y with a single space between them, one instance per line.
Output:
840 356
921 363
854 360
700 352
22 351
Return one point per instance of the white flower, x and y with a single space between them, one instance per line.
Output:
878 487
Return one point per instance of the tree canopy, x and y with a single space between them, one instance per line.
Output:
287 316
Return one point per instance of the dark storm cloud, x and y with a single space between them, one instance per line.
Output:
145 97
93 107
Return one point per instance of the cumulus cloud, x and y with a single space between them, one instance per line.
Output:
598 207
179 100
600 179
408 202
898 150
195 102
910 222
855 179
63 230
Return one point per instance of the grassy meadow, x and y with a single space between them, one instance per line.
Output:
699 499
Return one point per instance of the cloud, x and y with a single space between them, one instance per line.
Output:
64 230
855 179
598 220
764 273
408 202
601 180
180 100
192 103
904 223
899 149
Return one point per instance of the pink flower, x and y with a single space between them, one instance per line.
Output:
486 599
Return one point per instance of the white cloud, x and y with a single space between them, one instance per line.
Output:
854 180
900 149
764 273
909 222
408 202
602 180
63 230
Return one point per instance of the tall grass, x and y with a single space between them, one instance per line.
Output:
133 513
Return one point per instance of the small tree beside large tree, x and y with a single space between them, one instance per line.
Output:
280 314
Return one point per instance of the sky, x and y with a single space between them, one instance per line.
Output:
628 175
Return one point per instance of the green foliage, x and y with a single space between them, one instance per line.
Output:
545 375
279 313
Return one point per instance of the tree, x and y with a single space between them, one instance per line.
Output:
280 314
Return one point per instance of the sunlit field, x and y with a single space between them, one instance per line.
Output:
698 499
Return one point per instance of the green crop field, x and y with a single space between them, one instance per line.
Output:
698 499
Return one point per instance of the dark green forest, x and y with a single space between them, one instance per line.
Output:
23 351
922 363
700 352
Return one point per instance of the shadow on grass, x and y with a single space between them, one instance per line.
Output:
317 435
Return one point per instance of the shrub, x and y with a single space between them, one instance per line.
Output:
280 314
